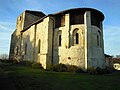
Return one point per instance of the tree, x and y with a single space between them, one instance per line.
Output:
4 56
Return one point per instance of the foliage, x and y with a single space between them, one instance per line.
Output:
6 61
4 56
26 63
37 65
91 70
65 68
73 68
104 70
59 68
15 61
98 70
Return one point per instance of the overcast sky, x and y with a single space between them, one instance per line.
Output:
11 9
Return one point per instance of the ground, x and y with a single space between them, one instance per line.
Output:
5 82
17 77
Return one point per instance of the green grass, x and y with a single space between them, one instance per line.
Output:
26 78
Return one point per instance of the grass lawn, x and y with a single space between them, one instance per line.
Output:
26 78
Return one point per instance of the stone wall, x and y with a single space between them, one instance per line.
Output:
98 58
27 44
44 43
68 53
44 34
94 52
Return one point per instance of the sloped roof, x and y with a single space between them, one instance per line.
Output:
36 13
116 60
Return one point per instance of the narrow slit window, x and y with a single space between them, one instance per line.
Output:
99 39
20 18
77 38
98 42
25 49
59 40
39 43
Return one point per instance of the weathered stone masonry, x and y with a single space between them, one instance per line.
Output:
73 36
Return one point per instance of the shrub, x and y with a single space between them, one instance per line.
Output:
103 70
15 61
59 68
91 70
100 70
80 70
49 67
2 60
109 69
37 66
65 68
25 63
73 68
5 61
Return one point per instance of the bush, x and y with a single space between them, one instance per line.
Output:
15 61
109 69
99 70
25 63
49 67
91 70
6 61
73 68
104 71
37 66
65 68
80 70
59 68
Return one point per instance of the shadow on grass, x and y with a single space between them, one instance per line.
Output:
26 78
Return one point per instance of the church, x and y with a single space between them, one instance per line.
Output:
73 36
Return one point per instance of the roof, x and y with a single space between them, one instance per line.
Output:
81 9
65 12
116 60
107 56
36 13
34 23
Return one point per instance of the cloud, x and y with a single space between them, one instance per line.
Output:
6 29
3 27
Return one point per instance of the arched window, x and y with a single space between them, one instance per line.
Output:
99 39
25 48
59 38
16 50
20 18
39 44
76 37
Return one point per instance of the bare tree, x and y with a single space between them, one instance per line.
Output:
4 56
